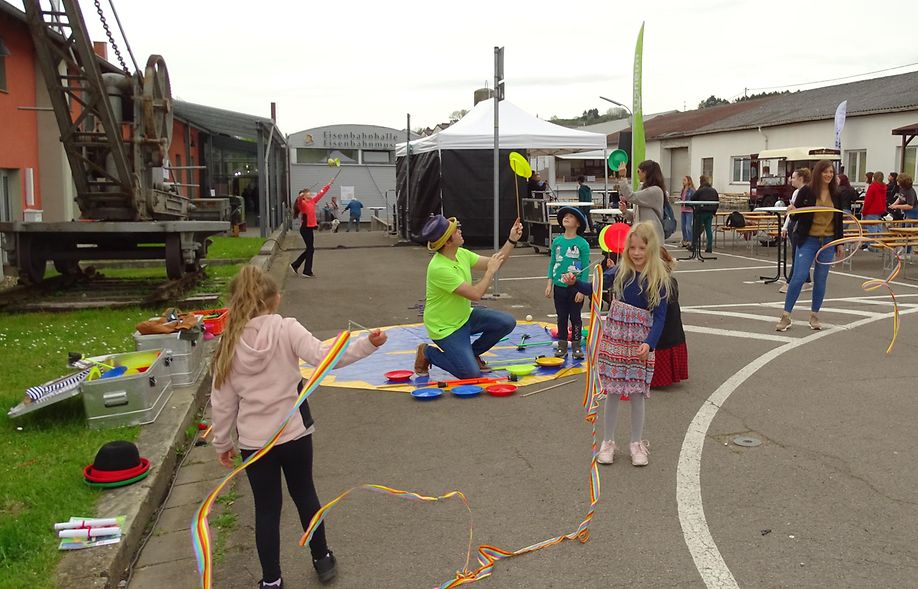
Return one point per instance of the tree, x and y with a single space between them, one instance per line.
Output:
712 101
457 114
760 95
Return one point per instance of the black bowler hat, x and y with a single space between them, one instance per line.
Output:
116 464
581 218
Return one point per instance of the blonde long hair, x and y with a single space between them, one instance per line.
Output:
252 293
654 278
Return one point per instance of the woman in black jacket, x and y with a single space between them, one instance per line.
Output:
813 231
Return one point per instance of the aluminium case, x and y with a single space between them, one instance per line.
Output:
132 399
187 354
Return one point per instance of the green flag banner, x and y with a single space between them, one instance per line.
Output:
638 146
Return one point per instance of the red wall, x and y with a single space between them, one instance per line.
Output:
178 156
19 128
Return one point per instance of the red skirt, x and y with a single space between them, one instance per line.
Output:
671 366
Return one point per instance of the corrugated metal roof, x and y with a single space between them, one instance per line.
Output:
878 95
221 122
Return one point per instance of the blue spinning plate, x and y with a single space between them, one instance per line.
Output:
467 390
427 394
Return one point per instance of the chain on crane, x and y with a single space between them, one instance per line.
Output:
111 38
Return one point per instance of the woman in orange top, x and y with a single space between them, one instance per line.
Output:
305 207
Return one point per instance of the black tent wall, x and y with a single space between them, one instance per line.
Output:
460 183
425 192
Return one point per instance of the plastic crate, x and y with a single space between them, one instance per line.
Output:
213 324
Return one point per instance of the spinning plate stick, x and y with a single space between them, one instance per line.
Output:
521 168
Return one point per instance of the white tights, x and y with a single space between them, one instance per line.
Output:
637 417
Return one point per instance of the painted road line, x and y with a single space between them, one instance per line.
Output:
740 334
722 269
710 563
767 318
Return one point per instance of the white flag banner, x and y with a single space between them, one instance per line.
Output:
840 113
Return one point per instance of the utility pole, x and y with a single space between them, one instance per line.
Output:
498 96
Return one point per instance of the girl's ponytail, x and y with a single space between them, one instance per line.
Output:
252 293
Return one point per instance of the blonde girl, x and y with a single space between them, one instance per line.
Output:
640 291
256 383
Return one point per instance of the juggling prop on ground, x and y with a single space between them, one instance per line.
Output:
399 351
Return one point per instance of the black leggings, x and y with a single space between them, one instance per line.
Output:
309 238
295 459
567 309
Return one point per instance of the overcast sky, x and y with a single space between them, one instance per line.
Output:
372 62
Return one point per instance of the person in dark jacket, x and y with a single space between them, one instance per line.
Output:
812 232
892 188
706 213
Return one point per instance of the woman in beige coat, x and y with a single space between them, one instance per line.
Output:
648 201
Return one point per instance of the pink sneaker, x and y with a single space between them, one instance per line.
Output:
606 452
639 453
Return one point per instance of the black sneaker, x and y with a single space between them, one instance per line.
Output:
263 585
326 567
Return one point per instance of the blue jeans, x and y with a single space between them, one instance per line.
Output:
458 355
687 226
875 228
803 260
568 310
355 221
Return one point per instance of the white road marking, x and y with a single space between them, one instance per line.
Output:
741 334
710 563
850 312
722 269
730 314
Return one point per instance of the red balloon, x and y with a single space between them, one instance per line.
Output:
614 237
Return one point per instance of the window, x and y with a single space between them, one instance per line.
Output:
3 53
911 155
740 169
377 157
6 209
856 165
707 168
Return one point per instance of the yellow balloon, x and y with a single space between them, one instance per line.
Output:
519 165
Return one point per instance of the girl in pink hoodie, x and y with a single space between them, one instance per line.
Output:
256 382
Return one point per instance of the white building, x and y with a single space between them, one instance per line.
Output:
367 155
718 141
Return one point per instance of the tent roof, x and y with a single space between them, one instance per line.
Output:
518 130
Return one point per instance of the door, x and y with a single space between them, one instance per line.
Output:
678 167
6 209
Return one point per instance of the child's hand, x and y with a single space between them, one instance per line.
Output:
548 291
226 458
378 337
610 263
568 278
643 352
578 298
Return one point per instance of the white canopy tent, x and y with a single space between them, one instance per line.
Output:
452 171
518 130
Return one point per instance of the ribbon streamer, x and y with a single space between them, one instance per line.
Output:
488 555
200 530
861 238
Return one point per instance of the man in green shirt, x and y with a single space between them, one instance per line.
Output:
448 314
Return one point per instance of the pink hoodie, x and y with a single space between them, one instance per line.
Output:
261 388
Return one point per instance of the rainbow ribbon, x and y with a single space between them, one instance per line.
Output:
488 555
861 238
200 530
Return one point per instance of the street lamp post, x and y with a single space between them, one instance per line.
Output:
630 124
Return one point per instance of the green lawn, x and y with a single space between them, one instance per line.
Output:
224 248
45 451
40 476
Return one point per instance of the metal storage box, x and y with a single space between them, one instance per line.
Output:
136 398
187 354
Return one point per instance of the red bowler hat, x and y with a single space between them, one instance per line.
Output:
116 464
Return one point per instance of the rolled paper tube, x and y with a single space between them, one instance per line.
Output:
87 523
87 533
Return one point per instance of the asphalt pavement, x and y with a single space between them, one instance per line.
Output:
826 499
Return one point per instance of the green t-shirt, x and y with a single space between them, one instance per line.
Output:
444 310
568 255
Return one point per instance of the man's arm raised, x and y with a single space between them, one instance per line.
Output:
474 292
